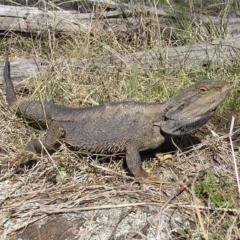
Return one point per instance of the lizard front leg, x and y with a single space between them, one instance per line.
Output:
133 160
134 164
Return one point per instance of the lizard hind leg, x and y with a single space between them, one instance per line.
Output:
49 143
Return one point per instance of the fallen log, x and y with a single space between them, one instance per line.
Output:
34 21
217 52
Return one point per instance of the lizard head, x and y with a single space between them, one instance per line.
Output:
193 107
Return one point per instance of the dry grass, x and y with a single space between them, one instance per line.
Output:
199 184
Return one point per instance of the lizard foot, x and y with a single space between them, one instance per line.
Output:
22 158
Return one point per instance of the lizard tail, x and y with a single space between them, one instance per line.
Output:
10 92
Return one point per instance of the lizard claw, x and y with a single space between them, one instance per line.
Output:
164 157
150 180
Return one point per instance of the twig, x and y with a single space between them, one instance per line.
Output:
196 205
25 224
233 154
184 187
123 215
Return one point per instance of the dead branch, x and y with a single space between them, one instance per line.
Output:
218 52
32 20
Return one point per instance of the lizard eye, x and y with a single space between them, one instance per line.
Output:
202 90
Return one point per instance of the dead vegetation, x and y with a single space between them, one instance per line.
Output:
198 198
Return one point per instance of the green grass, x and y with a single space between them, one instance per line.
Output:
216 191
